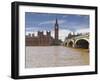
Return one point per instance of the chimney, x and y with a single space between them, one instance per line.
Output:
33 35
29 35
38 33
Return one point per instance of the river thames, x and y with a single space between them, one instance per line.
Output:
55 56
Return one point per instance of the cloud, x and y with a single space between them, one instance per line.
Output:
32 29
85 30
65 16
73 26
29 29
62 33
52 22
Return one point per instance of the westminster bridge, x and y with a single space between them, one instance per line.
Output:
80 41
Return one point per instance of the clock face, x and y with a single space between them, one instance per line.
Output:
56 27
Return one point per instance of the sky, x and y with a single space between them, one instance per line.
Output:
45 22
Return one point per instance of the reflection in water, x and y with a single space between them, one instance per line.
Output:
53 56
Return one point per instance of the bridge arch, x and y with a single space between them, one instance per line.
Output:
65 44
82 43
70 43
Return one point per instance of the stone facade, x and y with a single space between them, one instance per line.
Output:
40 40
44 40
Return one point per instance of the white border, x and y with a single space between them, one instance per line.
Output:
68 69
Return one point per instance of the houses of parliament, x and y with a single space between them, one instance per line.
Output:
44 40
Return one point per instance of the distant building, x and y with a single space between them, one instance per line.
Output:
44 40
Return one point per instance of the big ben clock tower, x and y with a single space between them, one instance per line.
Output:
56 31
